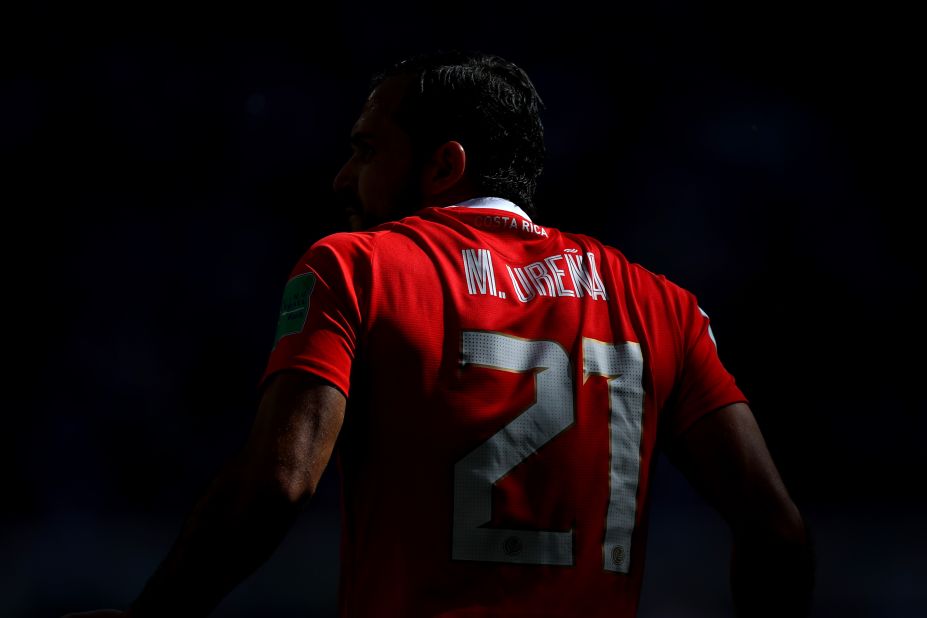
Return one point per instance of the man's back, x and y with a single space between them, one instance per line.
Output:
508 386
505 403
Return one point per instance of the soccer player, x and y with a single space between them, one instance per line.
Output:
494 389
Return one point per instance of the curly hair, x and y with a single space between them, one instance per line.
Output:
486 103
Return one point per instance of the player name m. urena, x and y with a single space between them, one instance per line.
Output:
568 274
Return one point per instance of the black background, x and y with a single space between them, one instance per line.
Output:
165 166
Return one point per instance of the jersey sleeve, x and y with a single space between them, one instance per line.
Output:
320 317
704 384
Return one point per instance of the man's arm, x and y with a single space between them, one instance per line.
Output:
252 502
724 456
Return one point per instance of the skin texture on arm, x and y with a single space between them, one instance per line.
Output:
725 457
251 504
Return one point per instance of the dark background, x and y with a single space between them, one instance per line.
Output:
164 167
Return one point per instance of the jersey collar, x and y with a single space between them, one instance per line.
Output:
496 203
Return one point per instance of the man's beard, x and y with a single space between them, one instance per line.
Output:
407 201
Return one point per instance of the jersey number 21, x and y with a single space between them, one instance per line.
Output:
476 473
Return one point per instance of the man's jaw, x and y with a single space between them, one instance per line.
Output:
353 210
355 220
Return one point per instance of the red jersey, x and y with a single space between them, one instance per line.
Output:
507 385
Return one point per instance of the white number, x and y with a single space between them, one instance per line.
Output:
623 367
476 473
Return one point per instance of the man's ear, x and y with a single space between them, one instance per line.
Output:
445 169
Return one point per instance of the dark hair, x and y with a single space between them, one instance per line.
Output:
486 103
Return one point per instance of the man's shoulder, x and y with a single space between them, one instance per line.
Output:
617 256
357 252
634 273
348 244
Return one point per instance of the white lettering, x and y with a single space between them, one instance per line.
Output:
524 293
598 288
583 279
542 278
558 276
537 273
478 271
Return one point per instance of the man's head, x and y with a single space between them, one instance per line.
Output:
438 129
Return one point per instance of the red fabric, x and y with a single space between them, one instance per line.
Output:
385 325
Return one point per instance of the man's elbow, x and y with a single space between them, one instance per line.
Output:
296 486
788 526
279 482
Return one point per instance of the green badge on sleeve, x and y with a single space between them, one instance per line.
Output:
295 306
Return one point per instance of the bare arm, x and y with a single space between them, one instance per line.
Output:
252 502
772 568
